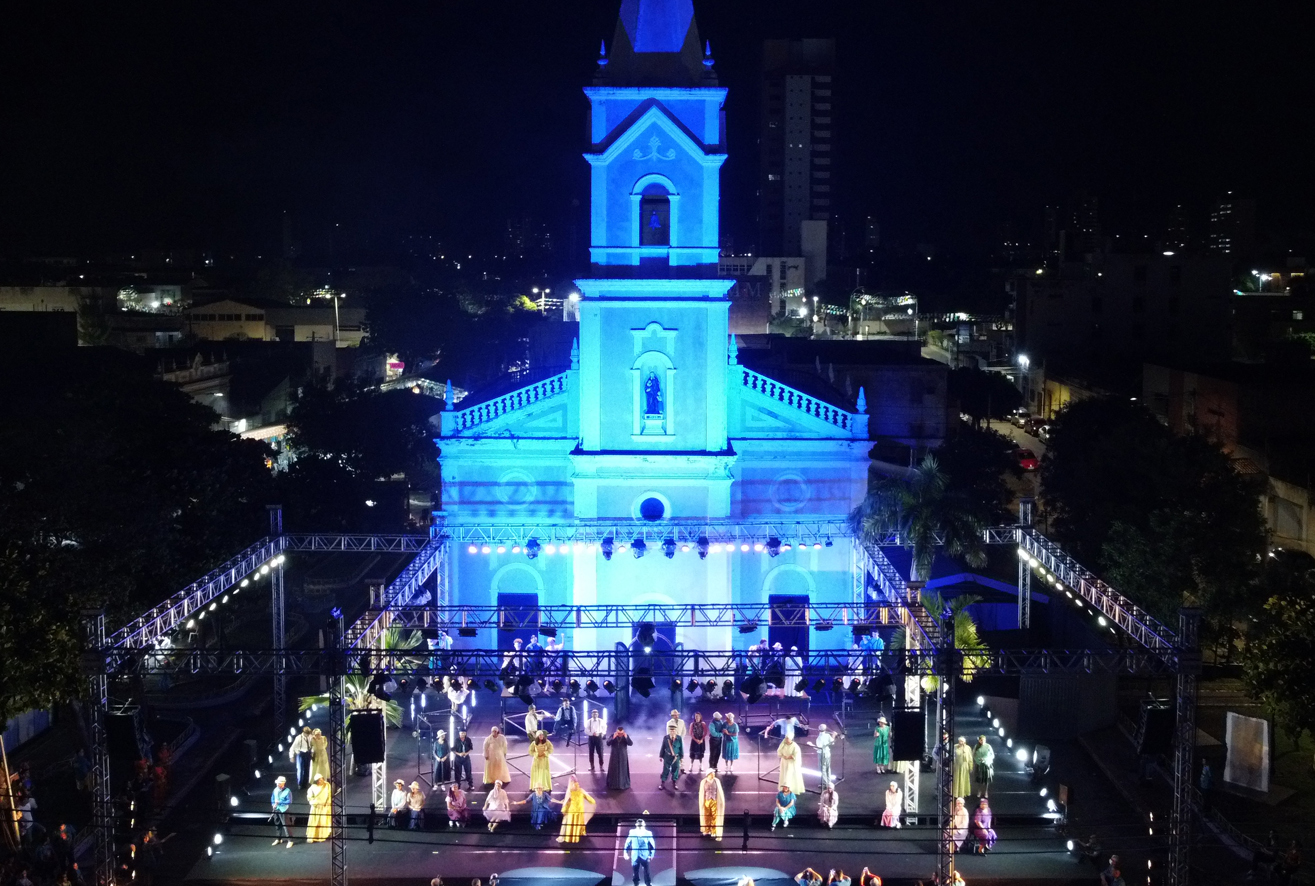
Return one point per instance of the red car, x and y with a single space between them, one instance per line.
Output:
1027 459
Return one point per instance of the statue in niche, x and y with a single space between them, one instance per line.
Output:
652 395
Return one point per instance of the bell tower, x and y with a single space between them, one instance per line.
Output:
654 315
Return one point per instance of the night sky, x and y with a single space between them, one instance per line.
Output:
191 125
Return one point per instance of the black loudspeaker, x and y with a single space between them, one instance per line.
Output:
367 732
1156 733
907 741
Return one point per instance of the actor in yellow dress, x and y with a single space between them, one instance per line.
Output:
575 815
319 795
495 758
540 754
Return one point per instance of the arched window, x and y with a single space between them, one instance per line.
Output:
654 216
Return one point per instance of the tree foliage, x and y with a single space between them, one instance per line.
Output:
919 506
1164 517
116 492
976 462
1280 656
344 443
983 395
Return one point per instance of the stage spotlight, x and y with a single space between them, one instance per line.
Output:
744 546
692 686
703 547
749 627
684 548
467 632
838 684
710 687
752 688
532 548
873 687
606 546
675 686
543 684
819 685
824 625
801 686
551 548
547 632
668 548
647 633
557 685
608 686
758 547
785 546
828 542
575 687
817 546
472 550
591 687
515 549
855 685
638 548
642 683
727 688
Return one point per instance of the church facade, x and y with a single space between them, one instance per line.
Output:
655 425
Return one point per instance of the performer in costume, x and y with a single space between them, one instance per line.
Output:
319 795
397 804
963 768
301 753
574 814
497 806
563 725
828 805
458 812
714 740
958 825
639 850
673 748
982 826
712 806
881 745
983 767
540 755
698 734
495 757
618 763
823 744
594 728
793 671
785 807
894 806
540 808
279 802
533 721
319 764
415 802
442 759
730 742
792 765
461 749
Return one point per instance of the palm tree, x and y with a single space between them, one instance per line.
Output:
966 639
358 697
916 508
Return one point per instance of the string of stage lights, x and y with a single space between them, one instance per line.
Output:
773 547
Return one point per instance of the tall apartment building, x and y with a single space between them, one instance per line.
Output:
1233 226
795 141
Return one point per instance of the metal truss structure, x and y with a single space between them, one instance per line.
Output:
135 648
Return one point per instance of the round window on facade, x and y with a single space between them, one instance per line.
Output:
652 509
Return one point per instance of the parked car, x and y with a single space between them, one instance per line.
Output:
1027 459
1043 433
1019 417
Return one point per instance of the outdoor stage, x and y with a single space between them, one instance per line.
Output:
1028 847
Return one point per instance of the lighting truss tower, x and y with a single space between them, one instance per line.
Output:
102 800
278 609
338 760
1184 744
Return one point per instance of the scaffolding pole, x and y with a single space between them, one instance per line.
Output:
338 760
102 797
278 611
1184 748
1024 571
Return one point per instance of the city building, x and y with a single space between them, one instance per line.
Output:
261 320
779 281
1098 319
795 150
656 423
1232 226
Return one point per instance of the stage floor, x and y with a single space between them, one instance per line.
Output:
1028 847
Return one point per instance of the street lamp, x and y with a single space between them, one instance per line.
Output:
1023 363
